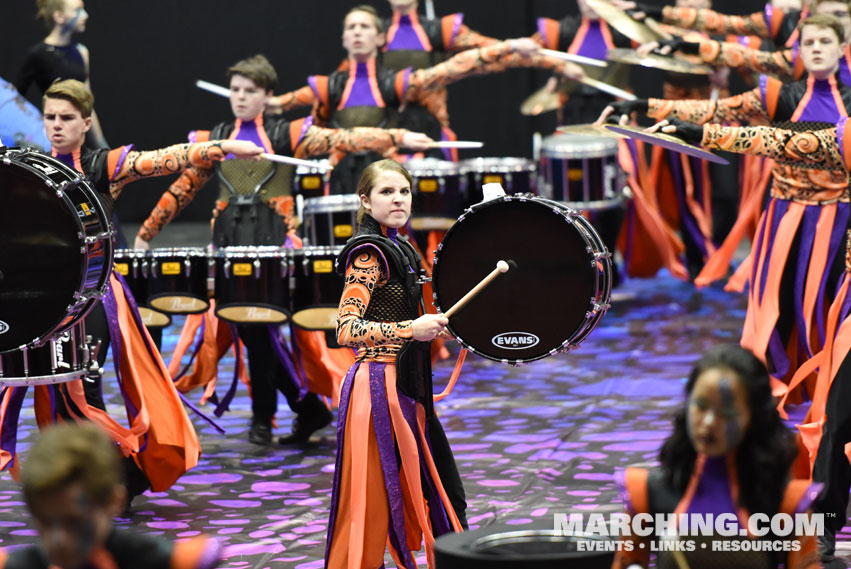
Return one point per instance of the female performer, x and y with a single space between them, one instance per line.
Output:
395 479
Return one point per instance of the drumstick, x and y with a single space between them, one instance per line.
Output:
573 58
295 161
213 88
610 89
501 267
455 144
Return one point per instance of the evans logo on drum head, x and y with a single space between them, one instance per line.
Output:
3 327
515 340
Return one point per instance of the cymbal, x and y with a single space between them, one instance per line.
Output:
587 130
656 61
623 22
541 101
667 141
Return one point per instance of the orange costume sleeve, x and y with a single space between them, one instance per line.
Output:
733 54
818 149
363 274
717 23
173 200
746 107
490 59
458 37
302 97
165 161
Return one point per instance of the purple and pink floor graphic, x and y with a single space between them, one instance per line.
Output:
530 441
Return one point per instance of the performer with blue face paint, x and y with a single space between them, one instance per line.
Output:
729 454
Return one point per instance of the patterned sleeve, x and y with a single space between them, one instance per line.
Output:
746 107
173 200
736 55
717 23
362 275
319 140
458 37
817 149
303 97
491 59
162 162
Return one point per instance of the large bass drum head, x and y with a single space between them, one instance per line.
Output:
40 259
547 303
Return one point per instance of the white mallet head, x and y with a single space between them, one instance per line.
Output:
502 266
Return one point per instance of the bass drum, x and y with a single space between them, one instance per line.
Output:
548 303
57 248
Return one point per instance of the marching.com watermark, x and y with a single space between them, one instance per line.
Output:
615 531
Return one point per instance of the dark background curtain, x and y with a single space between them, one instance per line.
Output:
146 56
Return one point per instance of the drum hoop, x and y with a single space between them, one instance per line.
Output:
259 252
431 168
578 147
497 166
581 225
177 251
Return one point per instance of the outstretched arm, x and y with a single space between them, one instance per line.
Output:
172 202
320 140
746 107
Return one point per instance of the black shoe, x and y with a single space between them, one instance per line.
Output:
305 424
135 481
260 434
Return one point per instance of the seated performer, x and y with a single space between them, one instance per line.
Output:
367 94
266 222
161 440
729 454
796 257
71 482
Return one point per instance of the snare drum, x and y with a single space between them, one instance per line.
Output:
552 300
252 284
56 253
316 287
65 357
330 220
134 266
178 282
438 193
515 175
581 171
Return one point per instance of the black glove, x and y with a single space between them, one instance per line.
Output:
650 11
679 44
628 107
689 132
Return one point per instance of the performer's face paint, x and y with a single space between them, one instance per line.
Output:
72 17
389 201
361 38
71 526
718 415
247 100
839 10
64 125
820 51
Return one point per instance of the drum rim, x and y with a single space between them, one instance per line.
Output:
260 251
506 165
557 146
174 251
596 309
431 167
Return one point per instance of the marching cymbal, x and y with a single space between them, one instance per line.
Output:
587 130
623 22
656 61
541 101
667 141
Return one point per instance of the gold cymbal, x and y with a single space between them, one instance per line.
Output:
656 61
623 22
541 101
587 130
668 141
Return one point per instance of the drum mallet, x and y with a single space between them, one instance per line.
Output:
501 267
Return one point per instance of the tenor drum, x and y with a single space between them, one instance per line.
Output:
581 171
317 288
438 193
515 175
134 266
549 303
64 357
178 281
252 284
56 252
330 220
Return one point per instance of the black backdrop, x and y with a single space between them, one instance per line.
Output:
147 55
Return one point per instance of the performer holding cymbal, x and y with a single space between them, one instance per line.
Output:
392 455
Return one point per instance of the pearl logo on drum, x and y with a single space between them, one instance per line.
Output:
515 340
3 327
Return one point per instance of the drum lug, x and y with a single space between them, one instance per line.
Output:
188 265
256 268
154 268
226 268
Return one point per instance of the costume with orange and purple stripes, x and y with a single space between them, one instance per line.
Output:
771 23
